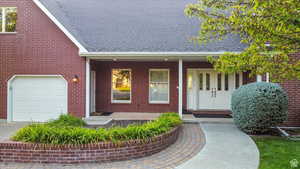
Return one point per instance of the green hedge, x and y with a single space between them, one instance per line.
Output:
258 106
67 120
66 134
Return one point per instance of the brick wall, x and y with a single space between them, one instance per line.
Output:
292 87
139 85
39 47
100 152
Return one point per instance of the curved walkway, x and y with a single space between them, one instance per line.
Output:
226 148
189 143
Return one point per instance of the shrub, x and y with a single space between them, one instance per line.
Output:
67 120
68 134
258 106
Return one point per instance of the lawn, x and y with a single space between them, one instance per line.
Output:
276 152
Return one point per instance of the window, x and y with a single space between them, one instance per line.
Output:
207 81
226 82
121 86
159 86
219 81
8 19
201 81
237 80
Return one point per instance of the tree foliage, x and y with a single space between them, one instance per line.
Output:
258 22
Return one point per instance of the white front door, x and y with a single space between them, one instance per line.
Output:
210 90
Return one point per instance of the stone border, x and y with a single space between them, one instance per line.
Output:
100 152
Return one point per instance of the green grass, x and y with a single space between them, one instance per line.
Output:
276 152
68 130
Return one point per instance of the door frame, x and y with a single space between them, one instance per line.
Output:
9 92
206 69
187 83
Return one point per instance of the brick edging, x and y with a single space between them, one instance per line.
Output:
99 152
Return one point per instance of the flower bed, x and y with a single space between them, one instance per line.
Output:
118 143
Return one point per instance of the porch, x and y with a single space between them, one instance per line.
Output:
146 87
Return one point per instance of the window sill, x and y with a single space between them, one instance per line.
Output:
120 102
8 33
159 102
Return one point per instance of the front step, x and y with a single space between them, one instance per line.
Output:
97 120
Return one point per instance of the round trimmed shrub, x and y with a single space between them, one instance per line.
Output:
258 106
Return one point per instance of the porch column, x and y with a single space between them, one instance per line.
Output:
87 87
258 78
195 89
267 77
180 80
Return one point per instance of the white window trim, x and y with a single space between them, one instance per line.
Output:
4 20
159 102
111 94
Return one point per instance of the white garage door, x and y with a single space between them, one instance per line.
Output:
38 98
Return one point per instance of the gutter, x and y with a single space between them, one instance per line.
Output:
150 54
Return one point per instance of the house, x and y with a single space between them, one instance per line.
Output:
77 56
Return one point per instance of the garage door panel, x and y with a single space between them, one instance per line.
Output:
38 98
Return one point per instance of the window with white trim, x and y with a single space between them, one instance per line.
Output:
121 86
8 19
159 86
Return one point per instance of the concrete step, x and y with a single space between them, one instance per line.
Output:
97 120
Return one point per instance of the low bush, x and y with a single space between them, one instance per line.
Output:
258 106
67 134
67 120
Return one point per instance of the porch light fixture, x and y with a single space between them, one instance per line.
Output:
75 79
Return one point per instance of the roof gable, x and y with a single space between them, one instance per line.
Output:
134 26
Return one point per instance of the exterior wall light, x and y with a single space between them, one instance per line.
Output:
75 79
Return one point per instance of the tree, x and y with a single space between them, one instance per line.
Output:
270 28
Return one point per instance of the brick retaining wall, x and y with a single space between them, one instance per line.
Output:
100 152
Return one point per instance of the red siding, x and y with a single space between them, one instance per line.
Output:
292 88
39 47
140 85
140 81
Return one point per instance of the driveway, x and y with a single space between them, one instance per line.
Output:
8 129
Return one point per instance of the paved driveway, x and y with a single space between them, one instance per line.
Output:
8 129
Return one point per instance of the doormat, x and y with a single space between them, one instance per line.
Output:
186 112
106 113
212 115
101 113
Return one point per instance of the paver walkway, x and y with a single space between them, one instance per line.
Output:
189 143
226 148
